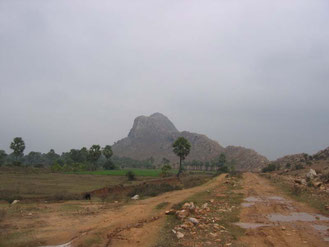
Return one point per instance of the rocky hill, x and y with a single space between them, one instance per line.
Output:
303 160
246 159
153 136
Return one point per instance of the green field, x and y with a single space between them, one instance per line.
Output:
138 172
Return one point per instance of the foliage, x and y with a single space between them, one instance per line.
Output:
165 170
269 168
3 156
131 175
94 154
18 147
109 165
181 148
107 152
299 167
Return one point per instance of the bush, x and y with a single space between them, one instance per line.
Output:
269 168
288 165
299 167
222 169
109 165
130 175
165 171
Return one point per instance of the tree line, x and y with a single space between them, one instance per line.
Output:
91 158
96 157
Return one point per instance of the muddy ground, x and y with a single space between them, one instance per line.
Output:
266 216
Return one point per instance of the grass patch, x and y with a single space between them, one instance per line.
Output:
52 186
224 211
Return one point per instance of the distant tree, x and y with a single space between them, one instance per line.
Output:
269 168
51 157
84 154
3 157
181 148
93 155
107 152
76 156
165 161
18 147
34 158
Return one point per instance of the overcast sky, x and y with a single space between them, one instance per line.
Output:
253 73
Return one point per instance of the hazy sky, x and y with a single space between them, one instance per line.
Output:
244 72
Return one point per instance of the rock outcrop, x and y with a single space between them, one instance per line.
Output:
153 136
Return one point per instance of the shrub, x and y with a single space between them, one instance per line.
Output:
288 165
109 165
130 175
165 170
269 168
299 167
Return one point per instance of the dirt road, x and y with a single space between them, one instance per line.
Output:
135 224
272 219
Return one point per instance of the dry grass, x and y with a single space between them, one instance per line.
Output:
52 186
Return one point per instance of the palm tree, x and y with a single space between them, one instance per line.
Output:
181 148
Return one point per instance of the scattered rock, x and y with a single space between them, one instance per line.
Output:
15 202
135 197
300 181
181 214
205 205
317 184
193 220
179 235
311 174
29 214
170 212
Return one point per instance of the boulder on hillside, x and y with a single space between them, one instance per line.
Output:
311 174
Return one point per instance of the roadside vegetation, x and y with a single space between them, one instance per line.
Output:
306 194
215 211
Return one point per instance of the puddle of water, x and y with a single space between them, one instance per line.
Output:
247 204
295 217
250 225
252 199
61 245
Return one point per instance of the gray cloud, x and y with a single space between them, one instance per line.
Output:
252 73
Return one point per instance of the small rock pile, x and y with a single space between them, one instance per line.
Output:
311 178
198 221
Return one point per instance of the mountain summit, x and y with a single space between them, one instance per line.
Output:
153 136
